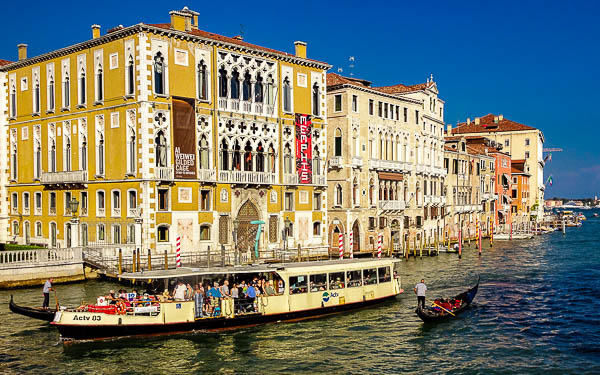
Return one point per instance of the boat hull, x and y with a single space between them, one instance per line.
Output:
430 316
90 331
31 312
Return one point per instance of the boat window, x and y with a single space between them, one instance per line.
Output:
384 274
318 282
298 284
336 280
353 278
370 276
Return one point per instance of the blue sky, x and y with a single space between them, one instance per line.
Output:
535 62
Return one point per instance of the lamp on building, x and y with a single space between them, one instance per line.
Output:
74 205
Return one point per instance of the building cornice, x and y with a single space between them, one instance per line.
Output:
372 91
141 27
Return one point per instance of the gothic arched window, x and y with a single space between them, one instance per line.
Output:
202 81
316 95
258 89
247 87
235 85
161 149
287 95
159 73
222 82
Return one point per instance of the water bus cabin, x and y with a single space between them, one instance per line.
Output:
301 290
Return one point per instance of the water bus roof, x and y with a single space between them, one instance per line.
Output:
257 268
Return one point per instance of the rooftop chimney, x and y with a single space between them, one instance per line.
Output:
449 129
468 120
22 51
476 120
184 20
500 117
300 49
495 119
95 31
238 37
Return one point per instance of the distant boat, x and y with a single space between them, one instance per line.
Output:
515 236
596 215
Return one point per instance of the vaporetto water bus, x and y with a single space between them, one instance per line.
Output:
302 290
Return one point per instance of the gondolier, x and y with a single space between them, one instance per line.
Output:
46 291
420 290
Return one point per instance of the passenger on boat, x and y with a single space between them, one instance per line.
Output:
269 290
235 292
189 293
179 291
225 289
199 301
111 298
215 296
251 296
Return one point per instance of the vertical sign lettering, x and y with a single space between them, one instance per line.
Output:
304 148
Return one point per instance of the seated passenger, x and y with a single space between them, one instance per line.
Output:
269 290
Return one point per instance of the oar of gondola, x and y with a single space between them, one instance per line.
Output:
446 310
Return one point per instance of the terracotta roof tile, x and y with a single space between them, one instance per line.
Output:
487 124
334 79
400 88
226 39
4 62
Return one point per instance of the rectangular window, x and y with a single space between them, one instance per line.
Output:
38 201
317 201
289 201
116 234
338 103
318 282
116 203
526 141
204 232
52 203
336 280
204 200
417 116
163 233
385 110
354 103
506 143
379 109
353 279
371 107
163 199
298 284
526 154
84 203
405 114
384 274
370 276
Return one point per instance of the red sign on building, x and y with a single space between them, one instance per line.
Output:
304 148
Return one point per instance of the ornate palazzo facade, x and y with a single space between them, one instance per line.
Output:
385 174
163 131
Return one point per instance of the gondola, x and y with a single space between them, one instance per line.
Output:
434 315
32 312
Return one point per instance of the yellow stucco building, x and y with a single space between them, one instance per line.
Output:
162 131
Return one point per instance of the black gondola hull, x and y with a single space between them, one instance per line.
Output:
88 332
429 315
32 312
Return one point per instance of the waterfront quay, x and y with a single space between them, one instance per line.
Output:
531 316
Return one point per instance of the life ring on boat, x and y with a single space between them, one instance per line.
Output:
121 308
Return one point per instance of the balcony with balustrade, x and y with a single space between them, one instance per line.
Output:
163 173
336 162
357 162
246 106
388 205
208 175
389 165
134 212
247 177
292 179
64 178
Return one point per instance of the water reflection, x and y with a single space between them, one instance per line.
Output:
535 312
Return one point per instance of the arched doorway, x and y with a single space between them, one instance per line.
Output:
246 233
356 237
395 234
336 230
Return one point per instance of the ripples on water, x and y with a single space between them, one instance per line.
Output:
536 312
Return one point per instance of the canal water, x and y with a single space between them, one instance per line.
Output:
536 313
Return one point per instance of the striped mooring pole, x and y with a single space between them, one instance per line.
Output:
351 244
341 245
178 253
379 246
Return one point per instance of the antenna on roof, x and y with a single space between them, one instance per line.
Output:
340 70
351 66
242 30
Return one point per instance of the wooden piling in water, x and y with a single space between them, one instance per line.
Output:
149 260
120 261
166 261
138 259
133 262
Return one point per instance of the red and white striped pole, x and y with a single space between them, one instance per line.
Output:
379 246
478 233
178 253
341 245
351 243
